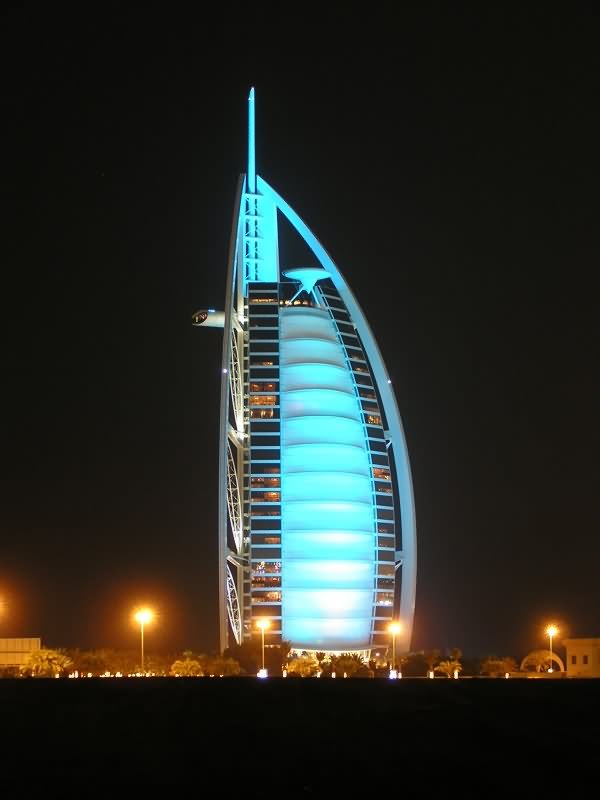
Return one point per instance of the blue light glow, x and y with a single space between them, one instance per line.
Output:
327 545
328 486
328 520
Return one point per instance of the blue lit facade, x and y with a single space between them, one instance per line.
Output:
316 512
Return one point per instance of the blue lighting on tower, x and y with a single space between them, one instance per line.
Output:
316 512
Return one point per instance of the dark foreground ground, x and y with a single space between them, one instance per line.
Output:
298 738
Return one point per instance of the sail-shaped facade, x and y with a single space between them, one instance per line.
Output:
316 512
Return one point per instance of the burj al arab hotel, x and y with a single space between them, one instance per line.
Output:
317 535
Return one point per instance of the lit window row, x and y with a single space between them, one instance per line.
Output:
264 400
264 387
267 597
262 413
266 567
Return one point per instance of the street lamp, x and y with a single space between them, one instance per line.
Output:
263 624
143 616
551 630
394 628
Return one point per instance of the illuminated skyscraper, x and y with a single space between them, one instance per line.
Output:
316 511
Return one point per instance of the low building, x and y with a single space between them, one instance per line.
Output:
583 658
15 652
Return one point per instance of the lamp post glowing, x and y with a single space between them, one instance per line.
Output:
143 616
263 624
394 628
551 630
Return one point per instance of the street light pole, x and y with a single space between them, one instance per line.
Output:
394 628
143 616
263 624
551 630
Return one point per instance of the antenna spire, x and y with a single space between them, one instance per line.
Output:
251 143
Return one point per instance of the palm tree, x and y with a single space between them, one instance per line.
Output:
304 666
45 663
431 658
347 663
449 667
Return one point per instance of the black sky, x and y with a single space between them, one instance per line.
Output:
452 155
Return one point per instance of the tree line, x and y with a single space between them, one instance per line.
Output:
246 659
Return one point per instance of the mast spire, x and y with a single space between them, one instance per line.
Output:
251 143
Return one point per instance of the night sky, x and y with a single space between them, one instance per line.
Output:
450 156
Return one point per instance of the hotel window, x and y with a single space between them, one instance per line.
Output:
263 299
269 440
265 552
366 394
264 310
261 413
260 567
265 511
378 444
267 597
264 426
379 459
260 524
585 659
265 539
335 302
386 527
259 582
573 659
264 374
383 474
265 497
260 361
260 334
263 387
386 541
261 347
259 482
262 322
265 469
262 454
263 400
